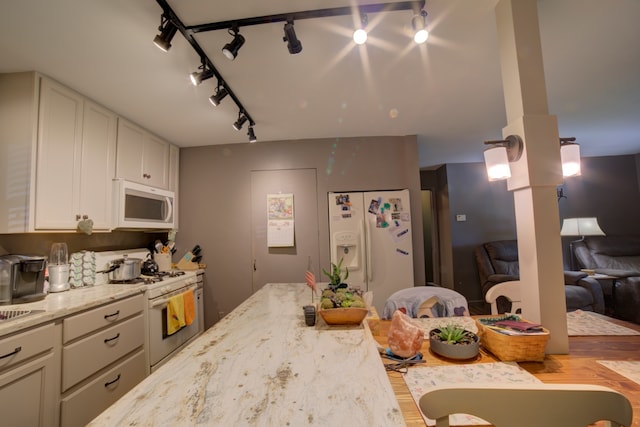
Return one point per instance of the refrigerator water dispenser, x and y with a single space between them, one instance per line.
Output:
347 248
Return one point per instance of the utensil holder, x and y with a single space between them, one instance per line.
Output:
163 260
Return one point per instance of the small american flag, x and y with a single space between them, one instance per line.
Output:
311 281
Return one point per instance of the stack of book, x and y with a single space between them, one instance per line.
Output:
517 327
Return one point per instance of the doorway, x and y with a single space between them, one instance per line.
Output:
429 231
284 264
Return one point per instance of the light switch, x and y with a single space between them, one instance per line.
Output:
461 217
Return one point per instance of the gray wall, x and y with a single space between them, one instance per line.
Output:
40 243
607 189
215 200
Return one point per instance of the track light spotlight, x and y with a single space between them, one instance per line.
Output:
252 135
360 35
217 97
198 77
230 50
167 31
293 44
241 120
419 24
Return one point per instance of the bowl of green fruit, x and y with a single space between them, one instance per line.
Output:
342 306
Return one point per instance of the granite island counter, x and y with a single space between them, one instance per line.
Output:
262 366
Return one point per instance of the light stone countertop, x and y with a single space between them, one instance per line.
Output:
261 366
61 304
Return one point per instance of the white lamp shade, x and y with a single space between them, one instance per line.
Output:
570 156
497 163
581 227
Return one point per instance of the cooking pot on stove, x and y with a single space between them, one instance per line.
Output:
150 266
123 269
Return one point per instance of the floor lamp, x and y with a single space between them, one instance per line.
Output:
579 227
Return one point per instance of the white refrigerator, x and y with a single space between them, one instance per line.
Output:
371 232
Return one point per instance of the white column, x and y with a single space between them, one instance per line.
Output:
535 177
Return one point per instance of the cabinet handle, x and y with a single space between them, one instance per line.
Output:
16 351
109 316
106 340
108 383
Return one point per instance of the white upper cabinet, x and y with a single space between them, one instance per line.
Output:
75 160
58 151
141 156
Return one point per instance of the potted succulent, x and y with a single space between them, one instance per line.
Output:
335 276
339 303
454 342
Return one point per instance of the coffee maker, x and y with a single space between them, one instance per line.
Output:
21 278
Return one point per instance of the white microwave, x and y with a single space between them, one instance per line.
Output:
138 206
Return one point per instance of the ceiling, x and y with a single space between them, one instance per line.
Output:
447 91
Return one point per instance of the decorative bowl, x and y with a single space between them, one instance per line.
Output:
456 351
343 316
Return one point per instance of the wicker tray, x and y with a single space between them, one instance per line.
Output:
512 348
343 316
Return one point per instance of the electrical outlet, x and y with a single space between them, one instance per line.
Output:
461 217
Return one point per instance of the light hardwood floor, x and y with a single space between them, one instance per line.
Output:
578 367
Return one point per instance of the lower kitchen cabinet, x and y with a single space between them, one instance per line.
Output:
103 357
85 403
29 377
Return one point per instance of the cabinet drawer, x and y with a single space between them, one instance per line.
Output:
86 403
18 348
87 322
90 354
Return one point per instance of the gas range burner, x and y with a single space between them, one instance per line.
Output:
172 273
135 281
149 279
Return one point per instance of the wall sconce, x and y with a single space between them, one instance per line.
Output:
502 152
498 156
580 227
570 157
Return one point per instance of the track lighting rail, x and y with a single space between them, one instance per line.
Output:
188 35
170 23
308 14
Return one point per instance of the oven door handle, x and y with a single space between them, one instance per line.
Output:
164 301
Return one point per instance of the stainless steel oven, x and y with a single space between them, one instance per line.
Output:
160 345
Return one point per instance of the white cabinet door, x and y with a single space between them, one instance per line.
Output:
155 161
141 157
129 151
29 377
75 160
59 145
97 164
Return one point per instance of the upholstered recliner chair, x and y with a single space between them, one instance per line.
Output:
617 256
498 262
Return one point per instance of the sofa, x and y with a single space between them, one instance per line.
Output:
498 262
619 257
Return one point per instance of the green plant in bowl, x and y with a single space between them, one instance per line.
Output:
454 342
335 275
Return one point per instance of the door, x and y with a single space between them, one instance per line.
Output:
285 264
